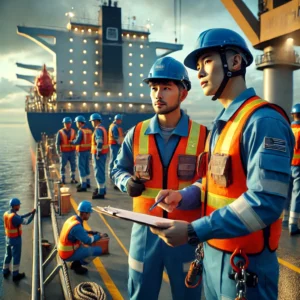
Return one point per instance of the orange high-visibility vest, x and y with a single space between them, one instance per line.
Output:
65 145
166 178
66 248
111 139
217 196
85 144
296 156
104 144
10 230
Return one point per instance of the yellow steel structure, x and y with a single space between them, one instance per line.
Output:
278 20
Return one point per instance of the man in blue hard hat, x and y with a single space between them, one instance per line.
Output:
115 139
13 231
65 150
99 152
244 189
83 148
73 235
295 199
156 154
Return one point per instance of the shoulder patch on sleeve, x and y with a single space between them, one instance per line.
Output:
275 144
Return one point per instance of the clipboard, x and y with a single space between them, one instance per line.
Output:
135 217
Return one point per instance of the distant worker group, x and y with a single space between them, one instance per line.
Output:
87 143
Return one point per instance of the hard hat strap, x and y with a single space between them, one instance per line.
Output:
227 74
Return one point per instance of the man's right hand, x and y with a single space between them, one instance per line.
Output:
135 187
33 211
171 200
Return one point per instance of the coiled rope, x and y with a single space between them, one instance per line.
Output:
89 291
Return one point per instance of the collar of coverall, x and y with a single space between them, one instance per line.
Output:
181 129
227 113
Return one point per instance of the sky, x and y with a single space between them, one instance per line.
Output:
197 15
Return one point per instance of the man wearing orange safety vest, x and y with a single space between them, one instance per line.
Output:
73 237
245 177
115 139
99 152
295 201
65 150
83 148
13 231
156 154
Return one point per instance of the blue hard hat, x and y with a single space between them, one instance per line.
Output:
169 68
118 117
85 206
80 119
296 109
67 120
14 201
216 39
95 116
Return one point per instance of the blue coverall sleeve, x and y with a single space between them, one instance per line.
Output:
191 196
78 138
18 220
79 233
26 215
268 175
57 143
123 166
99 139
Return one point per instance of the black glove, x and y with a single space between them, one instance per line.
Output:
135 187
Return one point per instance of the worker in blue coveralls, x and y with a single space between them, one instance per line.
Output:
13 231
247 181
83 148
295 199
115 139
65 150
73 236
158 153
99 152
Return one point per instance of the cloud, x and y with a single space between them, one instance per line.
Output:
7 87
14 100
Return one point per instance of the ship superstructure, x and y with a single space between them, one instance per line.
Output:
97 67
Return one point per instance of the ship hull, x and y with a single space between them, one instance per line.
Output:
50 123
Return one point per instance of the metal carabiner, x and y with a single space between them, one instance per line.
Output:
239 252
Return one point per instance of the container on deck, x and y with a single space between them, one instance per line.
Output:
65 203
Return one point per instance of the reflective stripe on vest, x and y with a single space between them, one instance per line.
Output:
166 178
65 145
85 144
111 139
228 143
65 247
105 147
10 230
296 156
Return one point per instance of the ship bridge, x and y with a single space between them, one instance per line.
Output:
100 64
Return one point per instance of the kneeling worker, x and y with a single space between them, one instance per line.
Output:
73 235
13 231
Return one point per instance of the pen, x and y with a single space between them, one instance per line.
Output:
158 201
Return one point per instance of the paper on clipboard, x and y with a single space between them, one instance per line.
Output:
142 219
